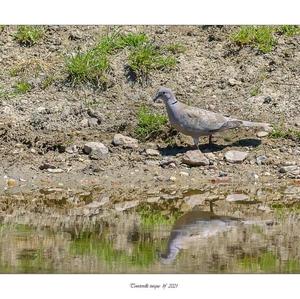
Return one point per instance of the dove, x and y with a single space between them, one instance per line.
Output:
197 122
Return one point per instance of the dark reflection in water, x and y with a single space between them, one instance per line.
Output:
198 242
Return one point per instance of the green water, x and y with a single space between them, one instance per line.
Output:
137 244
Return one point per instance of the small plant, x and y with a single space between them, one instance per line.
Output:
285 134
2 27
146 58
176 48
260 36
133 40
289 30
28 35
254 91
22 87
88 67
49 80
149 124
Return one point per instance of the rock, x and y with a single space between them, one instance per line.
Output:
172 179
195 200
122 206
153 199
288 163
56 170
261 160
168 162
72 149
97 204
233 82
46 166
195 158
152 152
84 122
285 169
297 122
261 134
93 122
11 183
125 141
235 156
237 198
95 149
183 173
222 174
267 100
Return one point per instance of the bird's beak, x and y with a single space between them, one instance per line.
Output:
157 96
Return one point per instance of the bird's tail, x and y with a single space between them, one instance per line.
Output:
264 126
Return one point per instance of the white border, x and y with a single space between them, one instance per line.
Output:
149 12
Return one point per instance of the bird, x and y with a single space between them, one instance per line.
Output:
197 122
196 227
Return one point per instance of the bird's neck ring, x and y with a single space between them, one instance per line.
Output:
174 102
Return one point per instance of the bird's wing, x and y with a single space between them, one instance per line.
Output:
201 119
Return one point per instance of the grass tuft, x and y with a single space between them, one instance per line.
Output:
22 87
261 37
285 134
144 59
289 30
149 124
28 35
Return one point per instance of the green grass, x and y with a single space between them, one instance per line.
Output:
22 87
149 124
146 58
289 30
262 37
90 66
93 65
143 254
254 91
2 27
28 35
268 262
281 133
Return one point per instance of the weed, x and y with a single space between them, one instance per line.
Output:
289 30
22 87
49 80
2 27
146 58
151 217
88 67
260 36
255 91
28 35
133 40
279 132
149 124
175 48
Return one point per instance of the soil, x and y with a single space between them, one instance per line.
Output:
37 128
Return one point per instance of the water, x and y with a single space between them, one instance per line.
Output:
141 242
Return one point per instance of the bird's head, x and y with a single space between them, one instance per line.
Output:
165 94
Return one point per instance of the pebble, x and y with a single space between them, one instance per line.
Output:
261 134
172 179
11 183
235 156
285 169
237 197
195 200
56 170
183 173
152 152
119 207
195 158
261 160
125 141
96 150
233 82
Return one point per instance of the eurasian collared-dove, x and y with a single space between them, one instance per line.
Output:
198 122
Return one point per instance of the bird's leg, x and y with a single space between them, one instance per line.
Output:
196 141
210 142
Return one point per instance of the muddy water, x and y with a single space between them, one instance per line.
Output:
195 241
